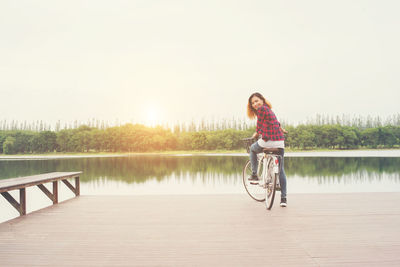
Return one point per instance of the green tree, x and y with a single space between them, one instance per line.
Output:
3 137
305 137
370 137
387 136
83 136
62 140
8 145
45 141
97 140
49 140
199 140
350 137
22 141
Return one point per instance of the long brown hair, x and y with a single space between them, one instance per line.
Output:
251 112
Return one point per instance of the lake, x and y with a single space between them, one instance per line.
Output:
199 174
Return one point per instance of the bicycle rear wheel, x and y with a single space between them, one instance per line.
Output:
254 189
271 181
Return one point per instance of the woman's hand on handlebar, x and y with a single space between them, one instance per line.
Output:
255 135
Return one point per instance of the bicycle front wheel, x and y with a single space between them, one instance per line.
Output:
255 190
270 187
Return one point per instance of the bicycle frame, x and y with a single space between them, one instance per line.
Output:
267 158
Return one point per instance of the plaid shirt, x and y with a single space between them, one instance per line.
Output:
268 125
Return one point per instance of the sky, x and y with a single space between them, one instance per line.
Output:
169 61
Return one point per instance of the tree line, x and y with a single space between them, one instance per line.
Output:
342 137
140 138
359 121
192 126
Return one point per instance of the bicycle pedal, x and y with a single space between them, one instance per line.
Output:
254 183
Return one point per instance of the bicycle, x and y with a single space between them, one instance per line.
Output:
267 172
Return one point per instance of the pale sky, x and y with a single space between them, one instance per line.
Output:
183 60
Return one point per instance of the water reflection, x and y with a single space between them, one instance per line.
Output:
128 169
327 167
140 169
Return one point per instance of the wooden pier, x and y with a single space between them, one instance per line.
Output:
361 229
21 183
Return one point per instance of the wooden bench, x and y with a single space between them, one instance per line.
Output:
21 183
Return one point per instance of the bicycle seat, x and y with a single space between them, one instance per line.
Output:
271 150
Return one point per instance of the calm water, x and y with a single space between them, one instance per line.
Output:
135 175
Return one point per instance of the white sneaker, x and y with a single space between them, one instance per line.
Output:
283 202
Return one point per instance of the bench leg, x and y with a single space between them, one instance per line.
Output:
77 186
53 197
55 192
75 189
22 201
21 206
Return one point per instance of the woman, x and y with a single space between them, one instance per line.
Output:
270 135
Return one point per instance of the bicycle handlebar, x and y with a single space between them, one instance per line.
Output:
248 139
248 142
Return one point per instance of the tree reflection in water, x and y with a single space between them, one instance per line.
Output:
138 169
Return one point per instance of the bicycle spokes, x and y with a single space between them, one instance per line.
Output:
255 189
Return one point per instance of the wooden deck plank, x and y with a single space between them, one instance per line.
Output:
207 230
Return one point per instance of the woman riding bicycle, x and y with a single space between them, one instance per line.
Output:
270 135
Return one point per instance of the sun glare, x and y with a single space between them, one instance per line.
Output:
152 117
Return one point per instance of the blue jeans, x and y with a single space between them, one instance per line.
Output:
254 150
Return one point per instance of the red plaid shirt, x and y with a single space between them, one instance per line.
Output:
268 125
